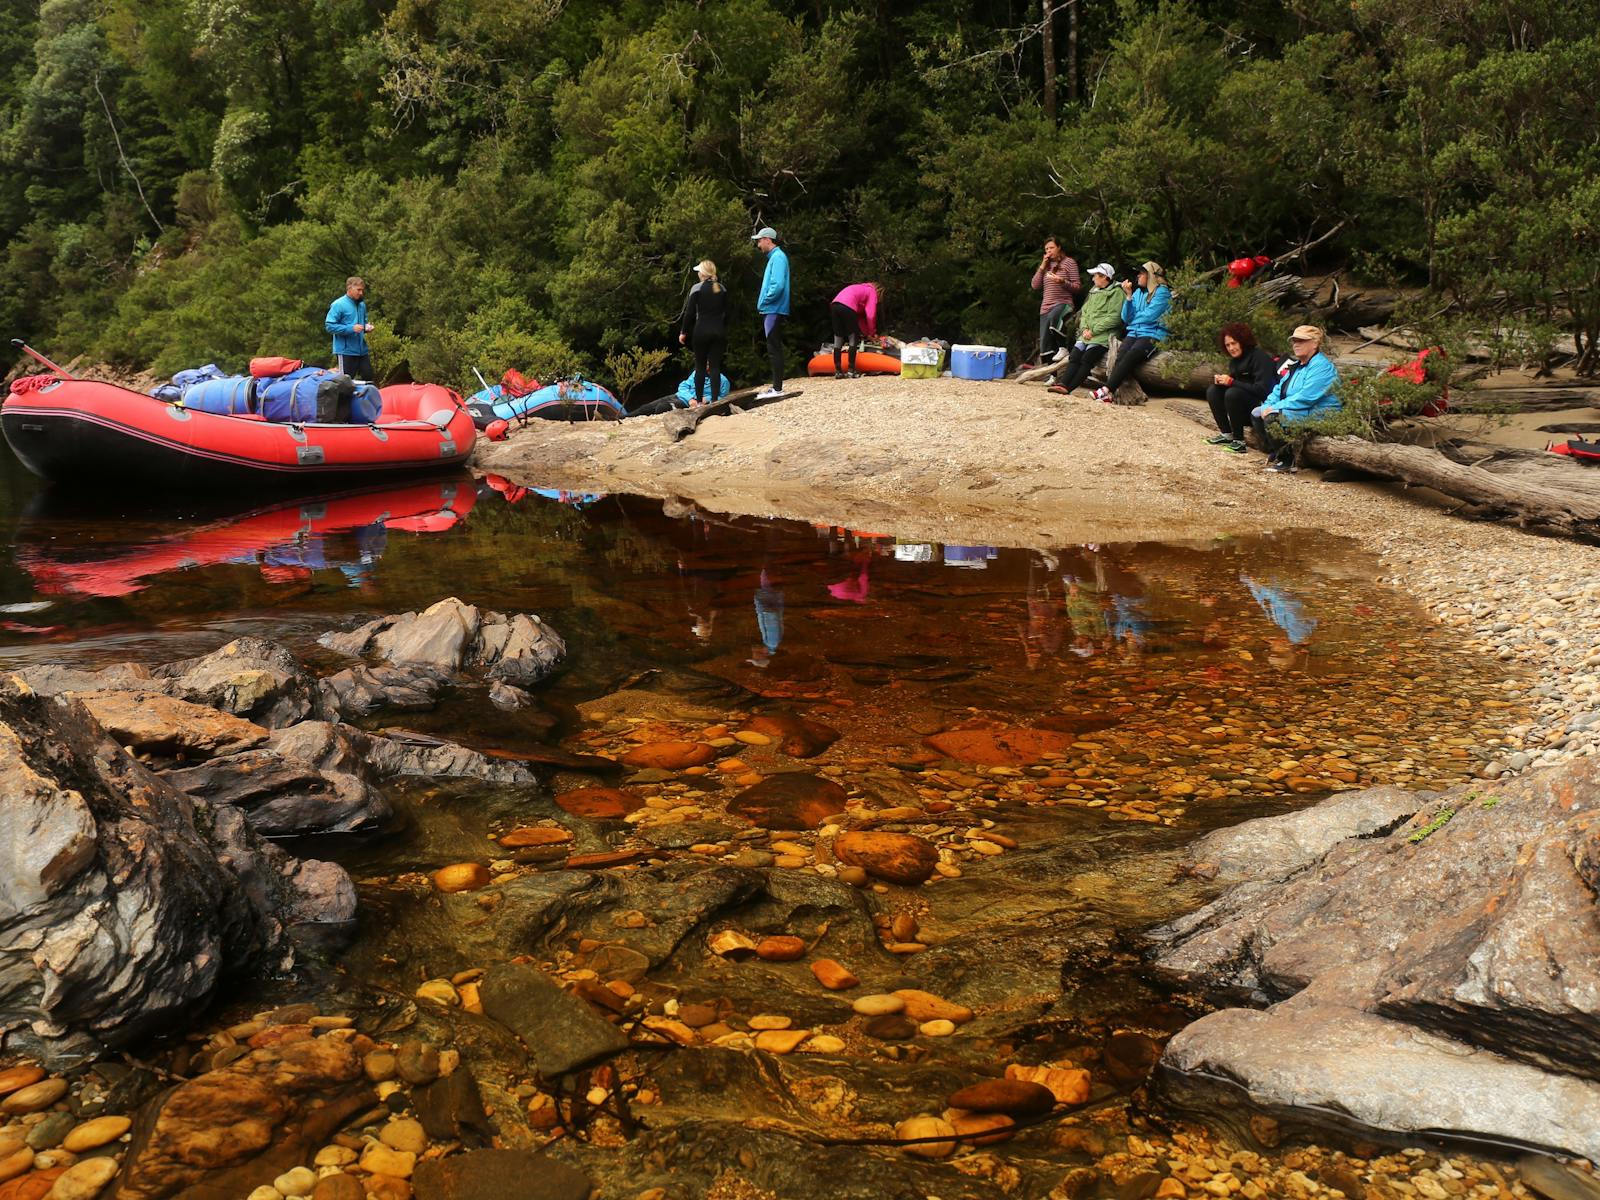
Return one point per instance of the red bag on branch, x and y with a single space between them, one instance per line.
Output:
271 368
1241 269
1416 371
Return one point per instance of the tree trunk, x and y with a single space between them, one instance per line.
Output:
1073 91
1047 9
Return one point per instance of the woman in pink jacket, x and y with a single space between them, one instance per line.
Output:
854 312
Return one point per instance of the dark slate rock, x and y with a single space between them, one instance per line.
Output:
561 1031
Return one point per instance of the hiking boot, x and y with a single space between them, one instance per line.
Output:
1221 439
1235 446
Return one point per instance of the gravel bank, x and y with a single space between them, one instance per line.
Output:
950 460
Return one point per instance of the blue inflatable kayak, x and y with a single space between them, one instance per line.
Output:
569 400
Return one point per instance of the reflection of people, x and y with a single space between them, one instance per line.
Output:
856 587
1041 632
1287 612
347 321
699 600
769 619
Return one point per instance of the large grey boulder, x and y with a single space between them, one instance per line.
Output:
248 677
123 902
450 637
1473 926
334 747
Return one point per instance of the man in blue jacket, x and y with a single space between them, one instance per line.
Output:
773 303
347 321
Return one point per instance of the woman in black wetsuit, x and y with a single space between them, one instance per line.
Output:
704 329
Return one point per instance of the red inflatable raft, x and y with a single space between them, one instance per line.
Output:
868 362
85 432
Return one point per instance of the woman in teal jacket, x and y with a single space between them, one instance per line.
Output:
1307 388
1144 313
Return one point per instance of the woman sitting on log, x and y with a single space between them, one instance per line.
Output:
1251 374
1306 389
1099 321
1144 313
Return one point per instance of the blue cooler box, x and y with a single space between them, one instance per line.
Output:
978 362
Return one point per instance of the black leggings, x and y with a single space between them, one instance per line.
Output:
708 361
1230 409
1080 361
773 322
846 327
1280 450
1130 354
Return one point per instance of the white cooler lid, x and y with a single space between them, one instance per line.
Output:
979 349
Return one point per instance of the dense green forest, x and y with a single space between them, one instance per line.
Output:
527 182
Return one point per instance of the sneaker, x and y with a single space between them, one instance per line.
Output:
1103 395
1059 389
769 393
839 375
1221 439
1060 354
1235 446
1282 468
852 375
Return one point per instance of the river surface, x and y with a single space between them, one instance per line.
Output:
1094 706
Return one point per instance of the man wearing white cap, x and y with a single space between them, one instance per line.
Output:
773 303
1099 320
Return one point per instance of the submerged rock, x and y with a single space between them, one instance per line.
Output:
1459 950
902 858
500 1175
124 902
561 1031
792 800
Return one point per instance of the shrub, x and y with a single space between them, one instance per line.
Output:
1200 307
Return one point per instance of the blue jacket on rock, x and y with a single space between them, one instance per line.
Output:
344 314
1304 391
1142 313
774 296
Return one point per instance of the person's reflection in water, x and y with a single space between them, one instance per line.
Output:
1041 632
1130 622
857 587
769 619
371 541
699 592
1086 606
1288 613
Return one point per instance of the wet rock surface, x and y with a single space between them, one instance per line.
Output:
1472 929
450 637
125 903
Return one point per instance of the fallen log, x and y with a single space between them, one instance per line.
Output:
1528 487
680 423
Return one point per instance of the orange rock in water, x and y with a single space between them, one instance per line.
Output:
670 756
1018 1097
24 1075
780 948
599 803
832 975
896 857
535 835
461 877
1067 1084
1000 747
799 737
925 1006
996 1125
792 800
33 1186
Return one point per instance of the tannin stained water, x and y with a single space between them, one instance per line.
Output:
1058 721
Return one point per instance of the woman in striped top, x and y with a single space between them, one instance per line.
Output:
1057 278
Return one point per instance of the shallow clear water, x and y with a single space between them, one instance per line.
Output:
1168 688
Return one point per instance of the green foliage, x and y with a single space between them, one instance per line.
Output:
628 369
1439 821
526 182
1202 306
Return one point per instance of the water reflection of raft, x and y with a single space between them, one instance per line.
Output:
285 540
568 400
868 362
85 432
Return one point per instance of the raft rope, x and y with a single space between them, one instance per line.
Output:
25 384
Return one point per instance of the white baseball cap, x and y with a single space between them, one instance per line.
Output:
766 231
1105 269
